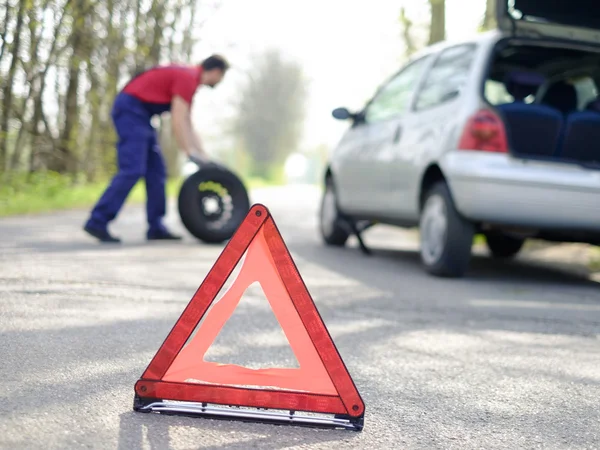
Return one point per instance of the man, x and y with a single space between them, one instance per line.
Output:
152 92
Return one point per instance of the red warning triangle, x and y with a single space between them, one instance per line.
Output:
179 372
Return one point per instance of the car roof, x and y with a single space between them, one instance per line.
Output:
483 37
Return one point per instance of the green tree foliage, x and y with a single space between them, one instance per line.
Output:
418 35
62 63
270 112
407 26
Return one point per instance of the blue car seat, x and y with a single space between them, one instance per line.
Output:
582 135
534 130
562 96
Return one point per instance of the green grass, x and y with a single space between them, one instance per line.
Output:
594 264
48 192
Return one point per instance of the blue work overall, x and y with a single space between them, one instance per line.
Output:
138 156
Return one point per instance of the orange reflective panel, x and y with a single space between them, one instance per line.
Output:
258 266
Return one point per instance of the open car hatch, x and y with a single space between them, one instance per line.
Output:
577 20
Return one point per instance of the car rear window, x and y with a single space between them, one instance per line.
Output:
587 91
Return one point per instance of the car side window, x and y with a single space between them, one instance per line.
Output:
447 77
392 99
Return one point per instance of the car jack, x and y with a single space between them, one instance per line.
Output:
357 229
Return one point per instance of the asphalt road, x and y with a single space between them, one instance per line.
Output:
508 357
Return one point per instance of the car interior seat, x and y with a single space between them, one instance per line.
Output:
562 96
594 105
533 129
582 135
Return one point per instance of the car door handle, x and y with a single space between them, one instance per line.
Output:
397 135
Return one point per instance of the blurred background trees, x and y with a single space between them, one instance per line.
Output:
270 113
63 61
436 25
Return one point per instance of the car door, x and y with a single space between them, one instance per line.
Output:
346 165
575 20
429 126
381 131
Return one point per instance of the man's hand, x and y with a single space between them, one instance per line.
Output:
205 163
199 160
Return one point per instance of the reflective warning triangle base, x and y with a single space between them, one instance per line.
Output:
179 381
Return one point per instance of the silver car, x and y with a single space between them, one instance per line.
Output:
498 135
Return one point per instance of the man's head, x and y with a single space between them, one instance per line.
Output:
213 70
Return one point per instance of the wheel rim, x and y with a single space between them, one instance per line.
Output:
216 204
328 212
434 227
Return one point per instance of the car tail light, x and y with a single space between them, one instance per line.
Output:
484 132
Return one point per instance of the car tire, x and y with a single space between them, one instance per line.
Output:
446 237
330 219
225 190
502 246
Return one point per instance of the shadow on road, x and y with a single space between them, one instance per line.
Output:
482 268
92 246
517 296
139 431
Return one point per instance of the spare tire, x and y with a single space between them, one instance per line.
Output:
212 204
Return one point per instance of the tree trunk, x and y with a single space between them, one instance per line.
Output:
437 30
36 31
5 28
8 86
188 39
64 162
139 54
406 32
489 19
38 111
35 123
172 26
115 57
90 152
158 12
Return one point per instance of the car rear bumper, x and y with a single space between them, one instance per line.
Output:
499 189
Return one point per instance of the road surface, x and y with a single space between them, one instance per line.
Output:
508 357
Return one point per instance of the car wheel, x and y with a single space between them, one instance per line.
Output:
446 237
502 246
330 219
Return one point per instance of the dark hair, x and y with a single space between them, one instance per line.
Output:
215 62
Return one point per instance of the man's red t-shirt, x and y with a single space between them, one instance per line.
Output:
160 84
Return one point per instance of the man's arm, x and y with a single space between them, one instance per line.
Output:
183 130
195 138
